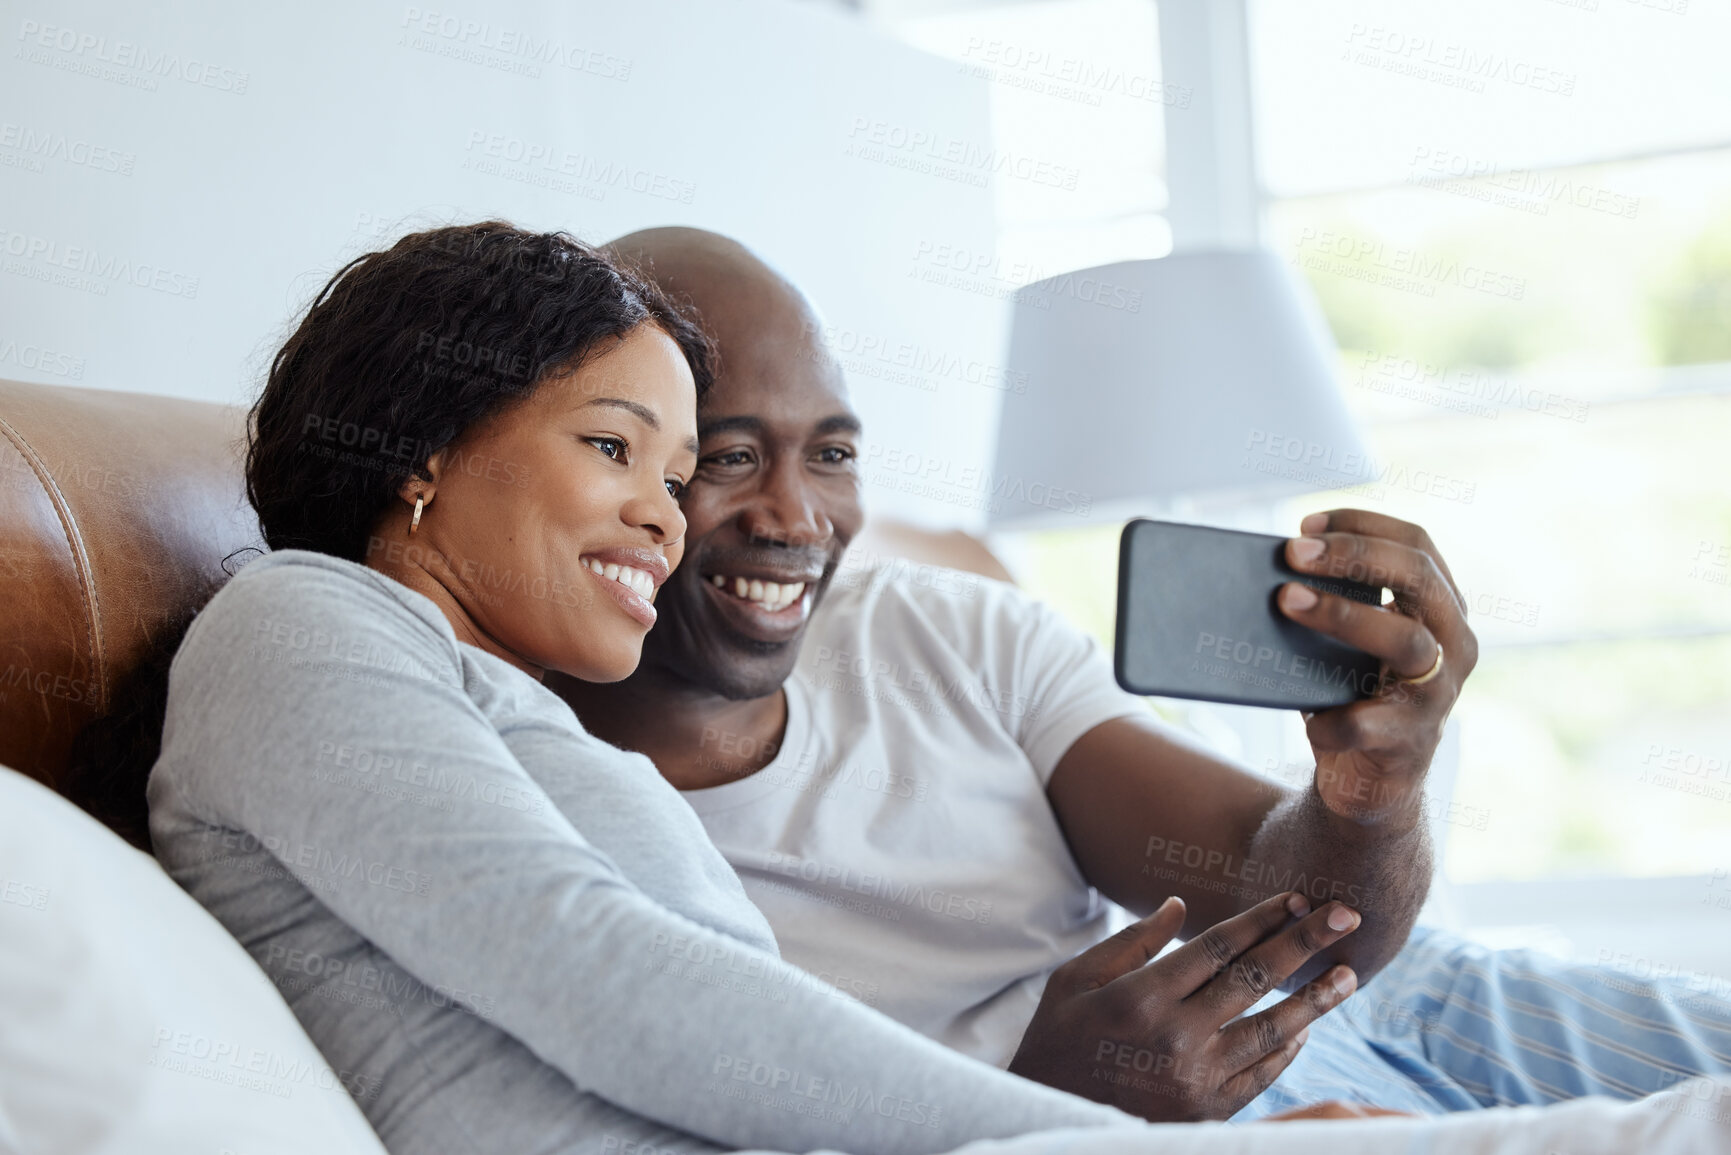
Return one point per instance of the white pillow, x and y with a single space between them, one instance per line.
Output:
129 1020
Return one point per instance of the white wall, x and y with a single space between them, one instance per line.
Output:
177 179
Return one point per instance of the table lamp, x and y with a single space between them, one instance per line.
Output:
1131 386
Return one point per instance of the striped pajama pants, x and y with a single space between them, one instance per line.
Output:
1452 1026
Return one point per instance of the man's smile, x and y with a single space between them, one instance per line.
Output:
771 596
761 607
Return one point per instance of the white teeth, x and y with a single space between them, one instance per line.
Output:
637 581
771 596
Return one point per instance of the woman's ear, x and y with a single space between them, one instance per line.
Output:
414 486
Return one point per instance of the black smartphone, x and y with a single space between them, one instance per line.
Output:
1197 619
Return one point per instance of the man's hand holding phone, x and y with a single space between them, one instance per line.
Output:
1372 754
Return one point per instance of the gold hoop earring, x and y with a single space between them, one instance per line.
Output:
414 522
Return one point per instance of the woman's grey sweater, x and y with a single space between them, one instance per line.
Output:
504 934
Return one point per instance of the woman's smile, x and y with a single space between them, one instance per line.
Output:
631 576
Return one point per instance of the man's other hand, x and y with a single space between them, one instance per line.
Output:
1163 1039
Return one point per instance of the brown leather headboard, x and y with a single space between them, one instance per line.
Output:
116 512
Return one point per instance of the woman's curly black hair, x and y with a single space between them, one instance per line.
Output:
401 351
404 349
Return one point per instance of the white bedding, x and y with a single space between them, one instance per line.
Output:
131 1022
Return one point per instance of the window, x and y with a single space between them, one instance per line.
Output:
1517 217
1520 230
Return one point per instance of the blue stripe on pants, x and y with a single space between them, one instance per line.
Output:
1450 1026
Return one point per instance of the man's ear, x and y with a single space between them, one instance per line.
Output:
413 486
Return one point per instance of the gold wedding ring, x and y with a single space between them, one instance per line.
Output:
1428 674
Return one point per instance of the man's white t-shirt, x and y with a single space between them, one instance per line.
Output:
900 841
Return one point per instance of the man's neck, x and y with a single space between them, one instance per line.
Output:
695 737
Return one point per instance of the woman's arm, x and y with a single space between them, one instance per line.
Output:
501 897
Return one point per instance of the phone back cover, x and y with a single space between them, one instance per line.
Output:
1197 619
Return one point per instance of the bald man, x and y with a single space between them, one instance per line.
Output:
928 786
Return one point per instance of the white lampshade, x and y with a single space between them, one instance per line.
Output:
1197 374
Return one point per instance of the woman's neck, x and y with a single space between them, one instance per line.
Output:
424 581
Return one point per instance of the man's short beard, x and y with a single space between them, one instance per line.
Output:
738 685
751 669
746 690
735 681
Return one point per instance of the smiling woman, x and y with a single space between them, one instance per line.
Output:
512 935
606 447
500 422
